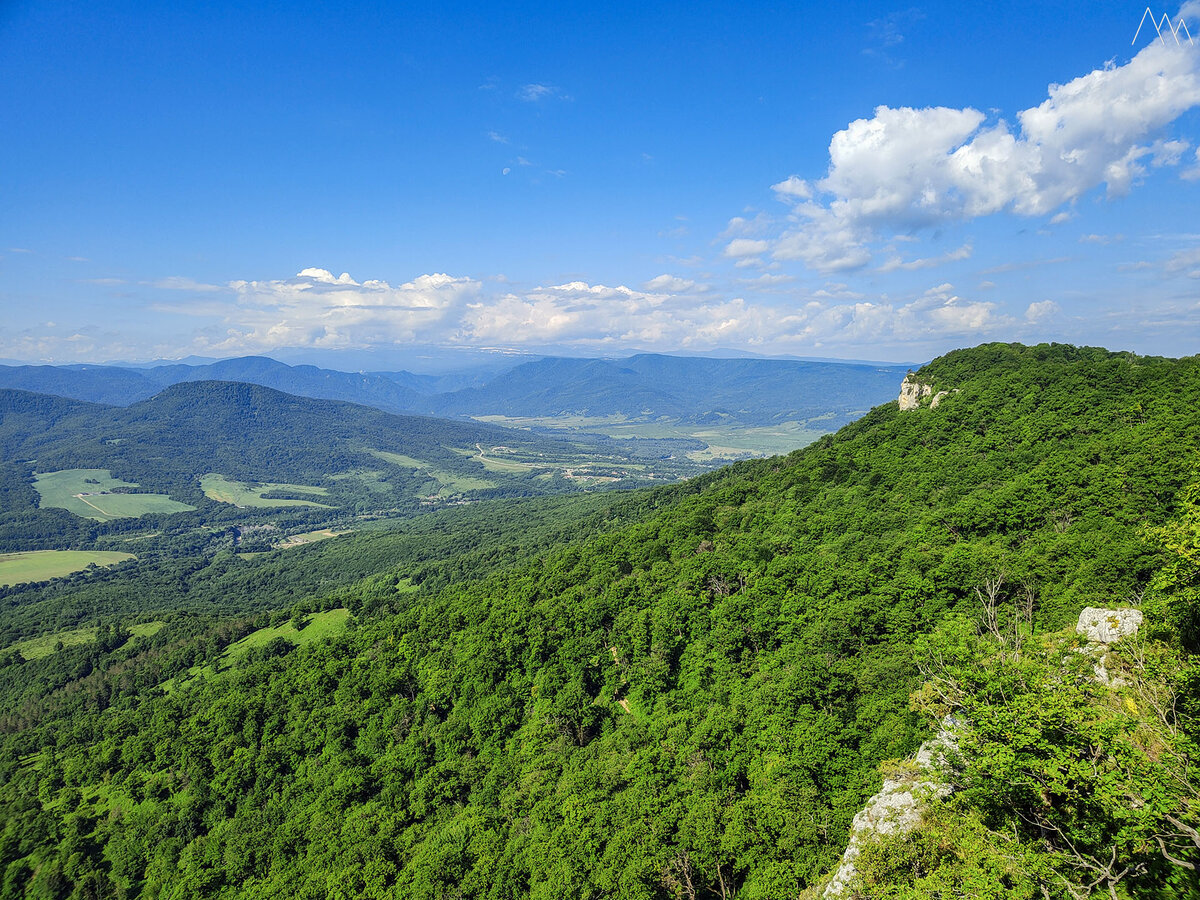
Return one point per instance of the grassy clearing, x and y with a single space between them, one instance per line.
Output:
88 493
239 493
449 483
308 537
319 626
42 565
45 644
373 480
724 441
507 466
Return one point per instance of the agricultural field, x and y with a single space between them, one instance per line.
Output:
240 493
449 483
724 441
42 565
88 493
45 644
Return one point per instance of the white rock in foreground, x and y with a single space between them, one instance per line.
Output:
897 807
1103 626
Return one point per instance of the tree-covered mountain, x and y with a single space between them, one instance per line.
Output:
648 386
693 389
121 386
337 460
96 384
694 703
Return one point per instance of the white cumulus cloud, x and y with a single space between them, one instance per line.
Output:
672 284
904 169
318 309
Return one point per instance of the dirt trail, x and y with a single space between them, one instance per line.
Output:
89 503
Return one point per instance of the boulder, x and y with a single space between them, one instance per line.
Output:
1103 626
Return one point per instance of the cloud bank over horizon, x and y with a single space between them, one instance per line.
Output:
316 309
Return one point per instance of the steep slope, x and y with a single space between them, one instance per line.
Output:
694 705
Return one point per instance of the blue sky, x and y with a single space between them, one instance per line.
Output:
860 181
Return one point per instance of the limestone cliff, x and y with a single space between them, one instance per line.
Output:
912 392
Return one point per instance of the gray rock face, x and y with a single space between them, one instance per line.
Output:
912 392
897 807
1103 626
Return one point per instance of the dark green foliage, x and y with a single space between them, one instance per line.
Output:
691 703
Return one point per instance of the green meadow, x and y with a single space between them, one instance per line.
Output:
724 441
240 493
88 493
45 644
42 565
317 627
449 483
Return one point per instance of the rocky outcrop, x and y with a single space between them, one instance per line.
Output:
1103 626
912 392
897 808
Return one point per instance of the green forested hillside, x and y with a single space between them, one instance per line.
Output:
694 704
339 460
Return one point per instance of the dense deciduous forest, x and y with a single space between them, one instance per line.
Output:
684 692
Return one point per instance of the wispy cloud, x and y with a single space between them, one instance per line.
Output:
739 248
1193 173
183 283
672 284
1040 310
534 93
912 265
1025 264
1186 262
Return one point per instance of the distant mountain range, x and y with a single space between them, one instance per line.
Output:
646 387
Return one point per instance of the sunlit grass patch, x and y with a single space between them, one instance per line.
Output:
42 565
449 483
89 493
239 493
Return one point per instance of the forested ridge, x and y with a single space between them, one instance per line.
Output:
652 386
697 702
